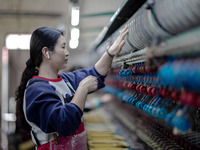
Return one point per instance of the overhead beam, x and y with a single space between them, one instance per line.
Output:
29 14
97 14
94 29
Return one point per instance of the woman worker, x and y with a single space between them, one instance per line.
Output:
50 104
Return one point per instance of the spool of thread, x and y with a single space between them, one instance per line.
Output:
188 98
132 86
128 73
175 95
121 73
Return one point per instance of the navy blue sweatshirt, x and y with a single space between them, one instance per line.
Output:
47 104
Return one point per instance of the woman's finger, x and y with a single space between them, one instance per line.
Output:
125 28
123 34
121 44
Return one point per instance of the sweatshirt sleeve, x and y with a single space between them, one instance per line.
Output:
76 76
45 109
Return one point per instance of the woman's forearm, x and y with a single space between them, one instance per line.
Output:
87 85
80 97
104 64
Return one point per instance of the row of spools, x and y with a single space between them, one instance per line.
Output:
155 106
178 74
178 79
156 91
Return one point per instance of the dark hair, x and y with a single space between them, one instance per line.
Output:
41 37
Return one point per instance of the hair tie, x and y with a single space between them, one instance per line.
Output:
30 63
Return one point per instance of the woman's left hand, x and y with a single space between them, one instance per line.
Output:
119 42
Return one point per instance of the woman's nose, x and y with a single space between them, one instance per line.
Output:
66 52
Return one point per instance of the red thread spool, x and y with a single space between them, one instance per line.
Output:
120 84
149 90
138 88
188 98
175 95
142 69
167 92
132 86
153 91
198 101
161 92
125 85
143 89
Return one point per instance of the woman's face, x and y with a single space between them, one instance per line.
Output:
60 54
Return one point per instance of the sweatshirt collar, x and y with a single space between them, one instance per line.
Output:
52 80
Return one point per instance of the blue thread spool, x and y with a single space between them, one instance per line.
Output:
155 106
150 108
141 103
167 75
182 122
183 71
134 101
128 73
145 107
153 111
192 80
137 104
170 116
135 98
119 95
124 97
129 99
161 112
121 73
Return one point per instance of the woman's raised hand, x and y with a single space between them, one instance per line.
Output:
119 42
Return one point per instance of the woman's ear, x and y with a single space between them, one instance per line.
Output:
45 52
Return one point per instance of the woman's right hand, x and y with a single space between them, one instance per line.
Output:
90 83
